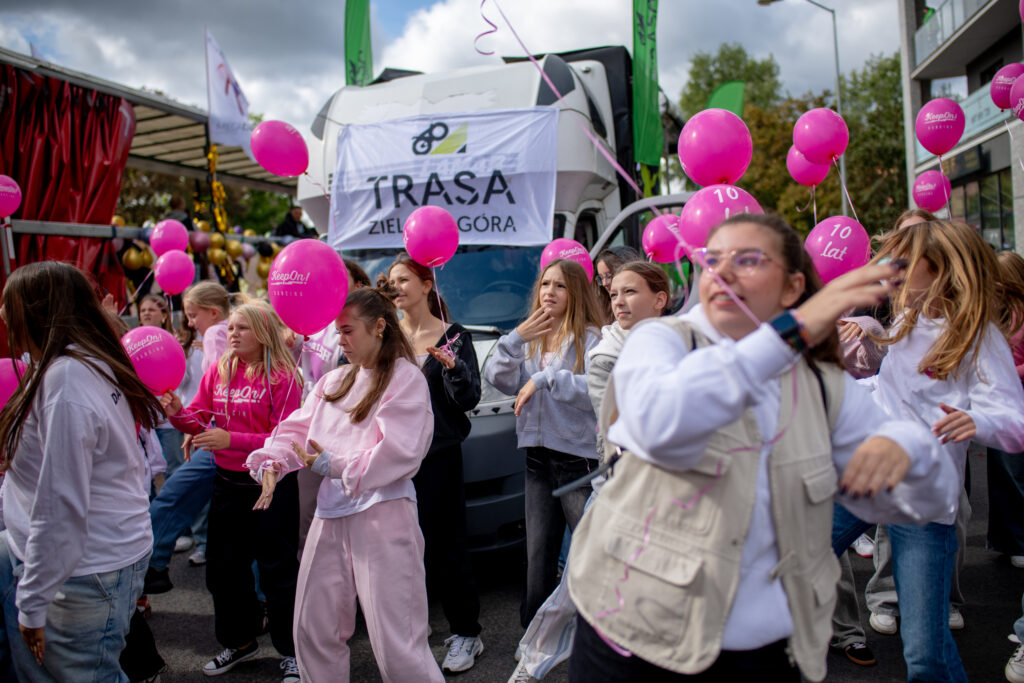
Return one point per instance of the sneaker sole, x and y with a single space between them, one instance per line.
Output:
232 665
860 662
476 656
885 631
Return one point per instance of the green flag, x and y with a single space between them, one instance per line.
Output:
728 96
358 57
648 137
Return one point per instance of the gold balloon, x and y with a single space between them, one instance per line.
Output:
263 269
249 232
203 225
276 247
216 240
217 257
132 258
267 259
234 248
117 220
147 258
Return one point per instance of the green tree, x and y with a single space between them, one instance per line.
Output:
731 63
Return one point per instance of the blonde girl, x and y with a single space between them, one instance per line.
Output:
949 367
543 362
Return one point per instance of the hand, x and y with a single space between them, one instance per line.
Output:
867 286
35 638
171 403
186 447
270 475
213 440
308 458
849 331
108 304
536 326
957 426
876 464
445 358
523 397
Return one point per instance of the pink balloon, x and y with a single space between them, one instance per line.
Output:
940 125
248 251
10 371
1016 100
307 285
838 245
174 272
200 241
157 357
431 236
932 190
999 89
660 242
570 250
10 196
821 135
715 147
709 207
279 148
803 171
168 235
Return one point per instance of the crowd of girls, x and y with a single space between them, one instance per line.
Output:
712 464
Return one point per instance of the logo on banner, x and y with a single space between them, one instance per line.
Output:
438 132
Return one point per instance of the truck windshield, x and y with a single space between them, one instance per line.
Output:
482 285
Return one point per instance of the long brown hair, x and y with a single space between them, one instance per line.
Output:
435 302
581 313
796 260
924 214
50 306
654 276
963 291
1010 292
276 363
369 306
357 273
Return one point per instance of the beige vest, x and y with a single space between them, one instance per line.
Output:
682 582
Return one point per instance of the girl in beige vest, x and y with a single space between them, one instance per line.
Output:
708 553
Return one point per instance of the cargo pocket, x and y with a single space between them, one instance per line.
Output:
820 486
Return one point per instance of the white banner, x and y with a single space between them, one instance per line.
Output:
229 110
494 171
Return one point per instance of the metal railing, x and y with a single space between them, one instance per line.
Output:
941 25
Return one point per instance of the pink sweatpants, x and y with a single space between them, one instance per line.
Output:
376 556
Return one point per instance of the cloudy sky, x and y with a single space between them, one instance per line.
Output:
287 54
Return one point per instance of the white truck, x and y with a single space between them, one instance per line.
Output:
487 287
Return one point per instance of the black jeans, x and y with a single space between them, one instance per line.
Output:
546 517
441 502
238 535
1006 501
593 661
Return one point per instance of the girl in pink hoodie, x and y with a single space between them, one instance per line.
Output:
240 400
368 425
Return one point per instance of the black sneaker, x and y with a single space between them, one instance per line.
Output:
227 659
157 581
860 653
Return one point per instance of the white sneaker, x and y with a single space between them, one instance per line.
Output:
519 652
883 623
956 620
521 675
289 670
1017 561
1015 667
197 559
462 652
184 543
864 546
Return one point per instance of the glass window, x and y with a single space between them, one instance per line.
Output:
972 206
956 202
1006 208
991 228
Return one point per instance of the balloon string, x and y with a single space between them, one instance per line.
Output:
318 185
493 29
137 291
1010 133
814 202
440 311
944 192
835 162
810 198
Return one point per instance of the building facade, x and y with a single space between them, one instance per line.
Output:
953 48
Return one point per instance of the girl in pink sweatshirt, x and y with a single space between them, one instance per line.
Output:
240 400
368 426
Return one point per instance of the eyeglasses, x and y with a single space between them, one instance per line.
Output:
744 261
606 279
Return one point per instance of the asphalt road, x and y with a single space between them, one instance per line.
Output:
182 620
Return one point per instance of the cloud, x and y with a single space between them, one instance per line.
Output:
288 57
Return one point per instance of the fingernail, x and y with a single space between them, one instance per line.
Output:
842 490
889 488
855 496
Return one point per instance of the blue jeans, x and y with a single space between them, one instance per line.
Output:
182 498
170 443
1018 626
86 624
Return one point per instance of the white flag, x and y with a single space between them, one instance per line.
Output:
229 110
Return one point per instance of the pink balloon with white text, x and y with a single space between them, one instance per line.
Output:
707 208
1002 82
932 190
10 196
940 125
570 250
307 285
157 357
660 241
168 235
838 245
